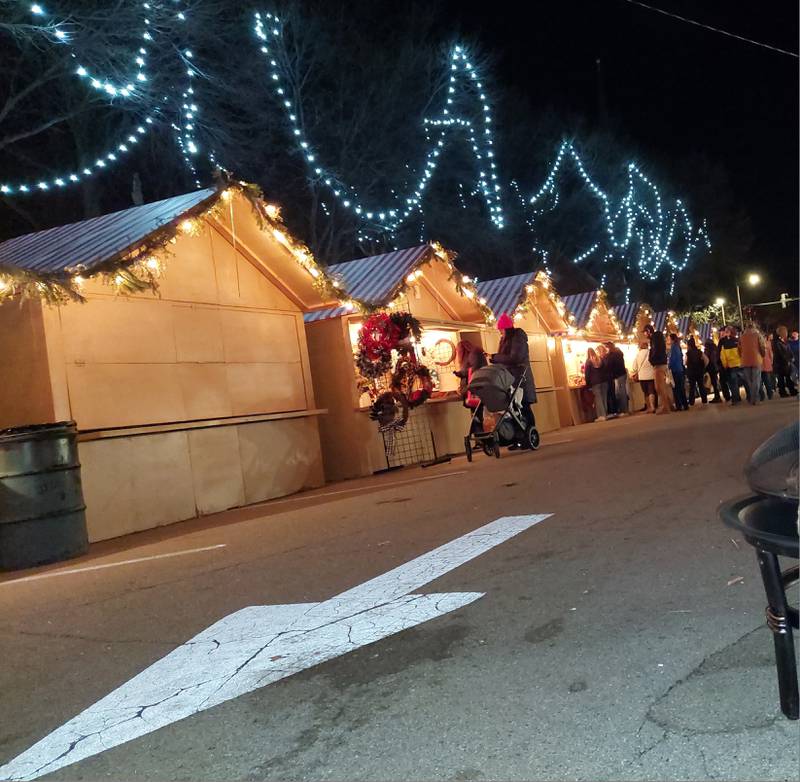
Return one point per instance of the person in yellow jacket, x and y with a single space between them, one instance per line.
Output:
730 356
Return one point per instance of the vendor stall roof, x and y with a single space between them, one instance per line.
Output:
374 282
661 319
91 242
54 263
504 294
580 305
626 314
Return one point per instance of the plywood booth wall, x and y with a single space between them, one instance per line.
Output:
189 401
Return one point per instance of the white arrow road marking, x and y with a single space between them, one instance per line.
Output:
259 645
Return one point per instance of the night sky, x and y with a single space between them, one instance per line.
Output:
672 87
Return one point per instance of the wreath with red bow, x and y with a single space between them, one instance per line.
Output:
411 383
379 335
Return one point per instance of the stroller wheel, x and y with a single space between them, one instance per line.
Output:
468 448
488 447
533 438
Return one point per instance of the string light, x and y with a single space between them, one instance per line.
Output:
464 88
639 232
639 225
106 160
108 85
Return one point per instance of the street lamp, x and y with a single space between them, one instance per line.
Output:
720 302
752 280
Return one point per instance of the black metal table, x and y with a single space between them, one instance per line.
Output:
770 525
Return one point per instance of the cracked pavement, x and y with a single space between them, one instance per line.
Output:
607 645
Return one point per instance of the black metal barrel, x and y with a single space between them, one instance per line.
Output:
42 513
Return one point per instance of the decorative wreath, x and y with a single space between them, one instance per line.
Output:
411 383
379 335
444 352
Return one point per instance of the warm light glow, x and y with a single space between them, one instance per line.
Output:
152 264
76 280
410 279
517 316
465 279
469 293
529 288
349 306
719 301
753 279
313 272
3 284
187 226
119 279
281 237
226 195
273 211
551 344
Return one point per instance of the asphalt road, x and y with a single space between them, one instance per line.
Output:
610 642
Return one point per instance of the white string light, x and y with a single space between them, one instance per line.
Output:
638 225
113 87
464 85
105 161
638 232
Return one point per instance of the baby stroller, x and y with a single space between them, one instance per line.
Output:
500 393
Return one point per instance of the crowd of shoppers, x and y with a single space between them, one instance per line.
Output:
671 380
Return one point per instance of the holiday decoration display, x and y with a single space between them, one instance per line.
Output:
383 335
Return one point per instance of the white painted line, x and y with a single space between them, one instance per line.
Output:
373 486
259 645
86 569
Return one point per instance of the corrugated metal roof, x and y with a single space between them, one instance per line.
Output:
660 320
580 305
328 312
373 280
98 239
503 295
626 313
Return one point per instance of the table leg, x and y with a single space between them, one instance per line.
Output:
778 622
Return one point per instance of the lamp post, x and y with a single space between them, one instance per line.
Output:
752 279
720 302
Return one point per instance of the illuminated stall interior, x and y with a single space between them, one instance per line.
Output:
537 309
176 341
420 280
593 322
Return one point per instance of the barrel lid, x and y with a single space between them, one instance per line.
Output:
33 431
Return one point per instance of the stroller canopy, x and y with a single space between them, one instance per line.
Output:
493 385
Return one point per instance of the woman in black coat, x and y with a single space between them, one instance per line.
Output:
513 354
695 369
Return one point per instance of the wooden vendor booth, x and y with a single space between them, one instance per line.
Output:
593 322
531 300
632 318
423 282
192 393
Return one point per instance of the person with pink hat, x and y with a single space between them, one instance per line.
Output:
513 354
